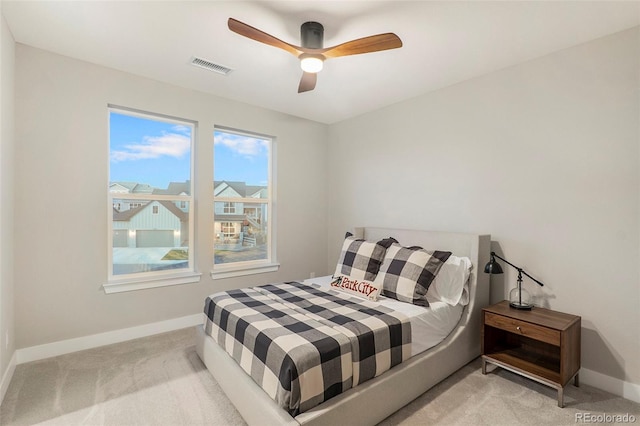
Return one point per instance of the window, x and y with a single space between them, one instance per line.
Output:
243 203
228 230
151 232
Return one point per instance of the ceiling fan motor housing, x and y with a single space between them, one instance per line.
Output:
312 34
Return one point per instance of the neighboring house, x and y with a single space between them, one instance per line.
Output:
138 223
176 188
128 188
238 223
155 224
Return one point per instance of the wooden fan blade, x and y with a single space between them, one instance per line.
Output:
307 82
374 43
257 35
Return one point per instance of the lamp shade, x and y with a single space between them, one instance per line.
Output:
493 267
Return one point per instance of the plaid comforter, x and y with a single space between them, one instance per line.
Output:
304 345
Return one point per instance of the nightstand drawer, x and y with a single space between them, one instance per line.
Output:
523 328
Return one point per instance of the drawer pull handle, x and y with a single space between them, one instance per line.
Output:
519 329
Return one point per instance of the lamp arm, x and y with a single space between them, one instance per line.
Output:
493 253
538 282
519 269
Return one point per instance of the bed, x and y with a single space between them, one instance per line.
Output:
390 390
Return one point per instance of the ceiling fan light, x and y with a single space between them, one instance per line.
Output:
311 64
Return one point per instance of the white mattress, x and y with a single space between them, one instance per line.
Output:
429 326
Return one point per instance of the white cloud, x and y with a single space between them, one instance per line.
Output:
179 128
243 145
169 144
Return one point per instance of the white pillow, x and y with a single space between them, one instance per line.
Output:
360 288
449 284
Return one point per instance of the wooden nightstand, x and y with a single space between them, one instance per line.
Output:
540 344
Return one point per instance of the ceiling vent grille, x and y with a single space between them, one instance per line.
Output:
208 65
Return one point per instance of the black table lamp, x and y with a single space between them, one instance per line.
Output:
519 298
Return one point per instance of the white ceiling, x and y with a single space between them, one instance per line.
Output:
444 43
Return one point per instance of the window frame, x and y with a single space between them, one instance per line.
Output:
270 264
151 279
229 208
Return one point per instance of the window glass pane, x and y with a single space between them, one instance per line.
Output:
241 237
241 174
150 235
150 195
149 153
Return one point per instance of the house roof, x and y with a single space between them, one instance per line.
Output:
241 188
134 187
175 188
253 189
125 216
175 210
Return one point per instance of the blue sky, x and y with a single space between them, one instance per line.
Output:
240 158
156 152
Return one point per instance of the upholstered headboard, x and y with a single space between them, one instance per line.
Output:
474 246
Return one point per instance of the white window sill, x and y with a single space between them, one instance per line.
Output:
130 284
241 270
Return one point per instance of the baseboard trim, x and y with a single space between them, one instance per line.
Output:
610 384
48 350
7 376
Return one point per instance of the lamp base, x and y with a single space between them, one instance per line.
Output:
519 298
521 306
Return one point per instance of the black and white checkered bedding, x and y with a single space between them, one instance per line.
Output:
304 345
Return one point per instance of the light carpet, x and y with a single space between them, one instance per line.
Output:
160 380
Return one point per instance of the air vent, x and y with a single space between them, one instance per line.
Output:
208 65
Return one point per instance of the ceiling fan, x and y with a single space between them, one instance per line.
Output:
311 54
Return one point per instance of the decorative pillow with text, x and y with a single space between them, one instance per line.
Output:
346 284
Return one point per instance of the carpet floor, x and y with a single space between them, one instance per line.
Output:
160 380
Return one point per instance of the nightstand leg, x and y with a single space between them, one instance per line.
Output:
561 397
576 380
484 366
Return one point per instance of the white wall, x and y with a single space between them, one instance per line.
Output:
544 156
7 53
62 153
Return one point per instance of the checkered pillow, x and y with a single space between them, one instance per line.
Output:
407 272
360 260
